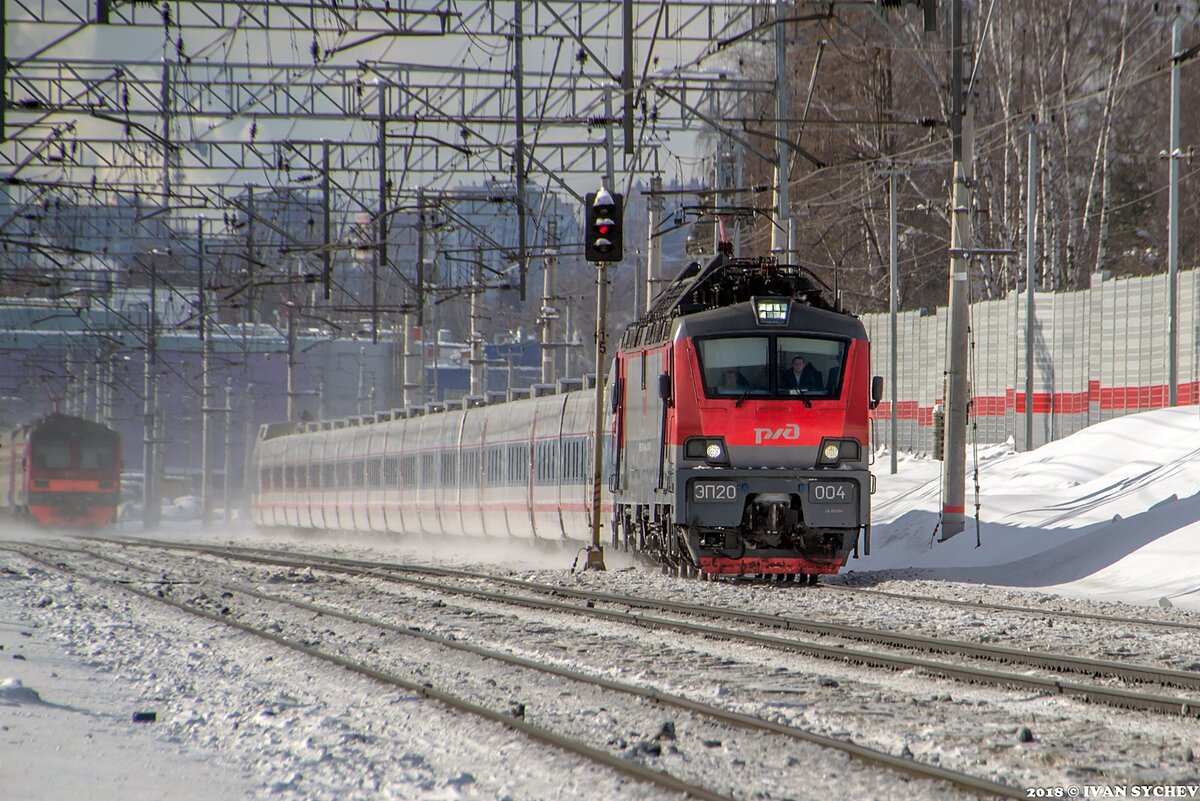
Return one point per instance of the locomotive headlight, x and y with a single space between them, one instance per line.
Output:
836 451
710 449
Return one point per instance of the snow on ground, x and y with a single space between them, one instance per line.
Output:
1109 514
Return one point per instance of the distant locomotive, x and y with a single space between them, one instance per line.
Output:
719 455
61 471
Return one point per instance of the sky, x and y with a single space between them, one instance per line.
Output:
1109 516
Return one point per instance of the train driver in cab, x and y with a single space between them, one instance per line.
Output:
802 377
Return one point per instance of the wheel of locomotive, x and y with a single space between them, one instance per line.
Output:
812 579
629 532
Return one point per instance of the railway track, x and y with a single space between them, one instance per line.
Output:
1028 610
586 601
52 558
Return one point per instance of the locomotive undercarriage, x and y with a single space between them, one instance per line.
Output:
771 538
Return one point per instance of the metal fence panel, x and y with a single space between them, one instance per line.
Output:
1098 353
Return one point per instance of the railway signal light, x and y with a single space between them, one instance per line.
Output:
603 232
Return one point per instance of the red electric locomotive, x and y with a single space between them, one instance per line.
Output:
740 407
735 442
61 471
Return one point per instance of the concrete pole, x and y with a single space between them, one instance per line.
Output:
409 362
609 167
150 500
596 552
421 228
478 377
627 99
361 395
327 235
957 395
519 150
291 362
205 383
249 436
654 246
158 456
1030 259
570 341
595 559
251 258
85 388
779 232
226 495
68 398
791 226
381 227
1173 221
4 67
105 391
98 389
893 303
549 310
165 99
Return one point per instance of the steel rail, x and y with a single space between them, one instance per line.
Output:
1110 696
1146 674
615 762
1031 610
864 754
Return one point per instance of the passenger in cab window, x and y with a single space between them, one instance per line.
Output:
733 381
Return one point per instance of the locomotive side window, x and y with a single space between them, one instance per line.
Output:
735 366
